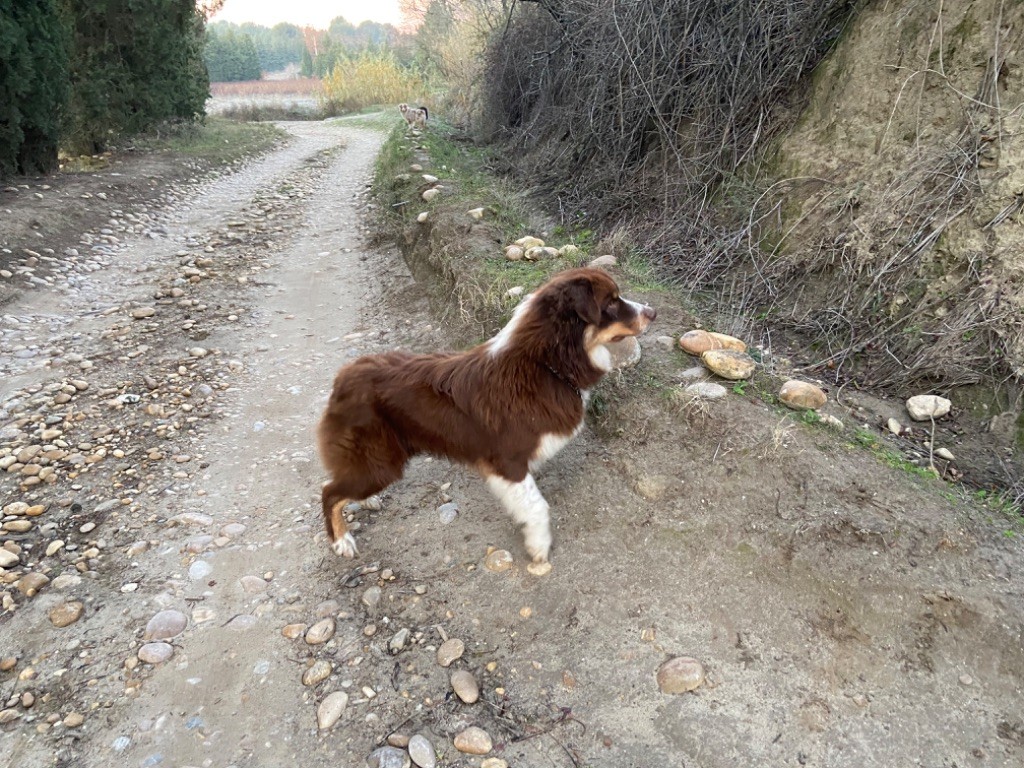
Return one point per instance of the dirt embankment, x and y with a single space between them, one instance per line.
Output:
893 208
838 603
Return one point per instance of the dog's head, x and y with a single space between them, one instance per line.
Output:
592 296
403 108
591 312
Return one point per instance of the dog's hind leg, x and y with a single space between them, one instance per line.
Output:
527 506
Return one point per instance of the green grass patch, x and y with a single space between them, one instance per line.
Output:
217 141
375 118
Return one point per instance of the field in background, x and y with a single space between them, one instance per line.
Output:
297 98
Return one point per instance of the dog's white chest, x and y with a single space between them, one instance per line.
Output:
551 444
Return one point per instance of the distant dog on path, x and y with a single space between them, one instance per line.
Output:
415 116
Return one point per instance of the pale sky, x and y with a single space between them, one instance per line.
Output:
314 13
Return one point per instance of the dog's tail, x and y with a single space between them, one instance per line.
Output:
426 114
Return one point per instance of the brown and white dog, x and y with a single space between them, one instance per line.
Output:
414 116
503 407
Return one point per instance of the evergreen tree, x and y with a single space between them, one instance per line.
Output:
33 84
134 63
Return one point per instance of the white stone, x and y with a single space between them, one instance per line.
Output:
927 407
422 751
331 709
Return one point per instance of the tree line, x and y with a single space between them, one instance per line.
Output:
75 73
244 51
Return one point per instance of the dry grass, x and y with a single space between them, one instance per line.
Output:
372 79
298 87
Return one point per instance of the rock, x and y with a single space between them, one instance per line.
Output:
514 253
320 632
31 583
8 716
529 242
539 253
894 426
430 179
831 421
625 353
707 390
317 673
156 653
371 596
430 194
569 251
729 342
422 217
498 561
8 559
680 675
165 625
388 757
473 741
292 631
66 581
398 740
515 292
944 453
729 364
603 261
66 613
200 569
422 751
448 512
539 569
254 585
801 396
475 213
494 762
142 312
331 709
927 407
465 686
449 651
73 720
398 641
698 342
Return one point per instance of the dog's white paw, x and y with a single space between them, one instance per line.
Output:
538 543
345 546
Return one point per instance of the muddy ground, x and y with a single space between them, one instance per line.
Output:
158 397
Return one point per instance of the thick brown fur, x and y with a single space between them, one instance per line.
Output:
488 407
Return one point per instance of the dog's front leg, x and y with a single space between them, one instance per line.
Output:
524 502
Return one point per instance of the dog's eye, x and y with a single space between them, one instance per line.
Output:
618 338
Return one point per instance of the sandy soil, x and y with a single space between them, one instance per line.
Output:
846 613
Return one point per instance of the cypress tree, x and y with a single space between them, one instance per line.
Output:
33 84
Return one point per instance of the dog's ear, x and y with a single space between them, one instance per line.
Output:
583 301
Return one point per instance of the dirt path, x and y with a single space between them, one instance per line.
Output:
845 615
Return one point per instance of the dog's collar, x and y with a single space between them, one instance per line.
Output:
564 380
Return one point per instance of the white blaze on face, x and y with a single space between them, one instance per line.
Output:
527 506
504 337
